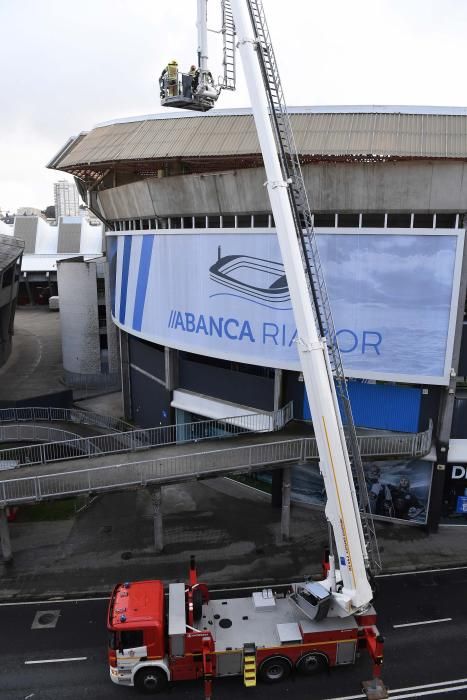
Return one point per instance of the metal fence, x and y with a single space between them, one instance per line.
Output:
100 445
155 471
29 433
396 445
65 415
179 468
92 381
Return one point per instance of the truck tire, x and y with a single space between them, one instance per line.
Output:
150 680
275 669
311 664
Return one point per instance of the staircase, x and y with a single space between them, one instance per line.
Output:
303 220
249 665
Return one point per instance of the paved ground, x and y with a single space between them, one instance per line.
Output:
35 364
105 404
233 530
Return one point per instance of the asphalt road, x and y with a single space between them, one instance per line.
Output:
423 617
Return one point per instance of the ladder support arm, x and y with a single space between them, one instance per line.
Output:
341 504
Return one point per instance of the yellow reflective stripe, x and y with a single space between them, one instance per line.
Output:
346 542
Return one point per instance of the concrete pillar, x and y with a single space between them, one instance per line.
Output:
156 496
276 488
446 410
278 389
285 515
125 371
171 368
5 537
28 290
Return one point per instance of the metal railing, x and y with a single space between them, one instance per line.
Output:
140 474
129 441
65 415
166 470
92 381
29 433
396 445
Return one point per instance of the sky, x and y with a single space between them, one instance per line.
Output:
66 66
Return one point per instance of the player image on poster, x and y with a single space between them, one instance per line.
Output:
397 489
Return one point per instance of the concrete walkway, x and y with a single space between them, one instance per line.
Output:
291 432
35 366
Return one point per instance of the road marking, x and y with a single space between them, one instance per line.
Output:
423 571
419 694
424 622
427 688
53 600
57 661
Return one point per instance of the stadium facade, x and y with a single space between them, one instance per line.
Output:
198 289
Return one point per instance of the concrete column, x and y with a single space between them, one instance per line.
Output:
171 368
156 496
28 290
276 488
125 370
278 389
5 537
447 409
285 515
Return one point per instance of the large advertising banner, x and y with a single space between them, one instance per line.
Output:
393 294
397 489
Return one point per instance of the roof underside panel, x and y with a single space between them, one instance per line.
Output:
358 134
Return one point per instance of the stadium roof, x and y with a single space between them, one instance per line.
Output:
10 249
226 139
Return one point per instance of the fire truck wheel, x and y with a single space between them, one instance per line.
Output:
197 605
309 664
150 680
275 669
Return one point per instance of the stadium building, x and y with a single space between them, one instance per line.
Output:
11 251
198 289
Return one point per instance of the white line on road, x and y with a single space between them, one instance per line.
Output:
53 600
57 661
424 622
439 687
423 571
437 691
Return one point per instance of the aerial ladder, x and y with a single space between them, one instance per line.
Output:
347 587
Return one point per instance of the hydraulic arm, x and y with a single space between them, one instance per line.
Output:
350 587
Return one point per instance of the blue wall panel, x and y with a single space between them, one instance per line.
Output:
381 406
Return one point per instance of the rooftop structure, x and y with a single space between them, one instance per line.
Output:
190 143
66 199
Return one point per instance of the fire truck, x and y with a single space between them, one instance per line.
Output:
162 634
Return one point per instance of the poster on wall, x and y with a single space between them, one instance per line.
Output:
393 294
397 489
455 494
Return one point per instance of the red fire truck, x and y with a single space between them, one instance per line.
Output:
266 635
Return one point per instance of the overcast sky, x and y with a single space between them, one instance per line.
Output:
66 66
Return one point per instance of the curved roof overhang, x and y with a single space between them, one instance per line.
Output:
178 143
